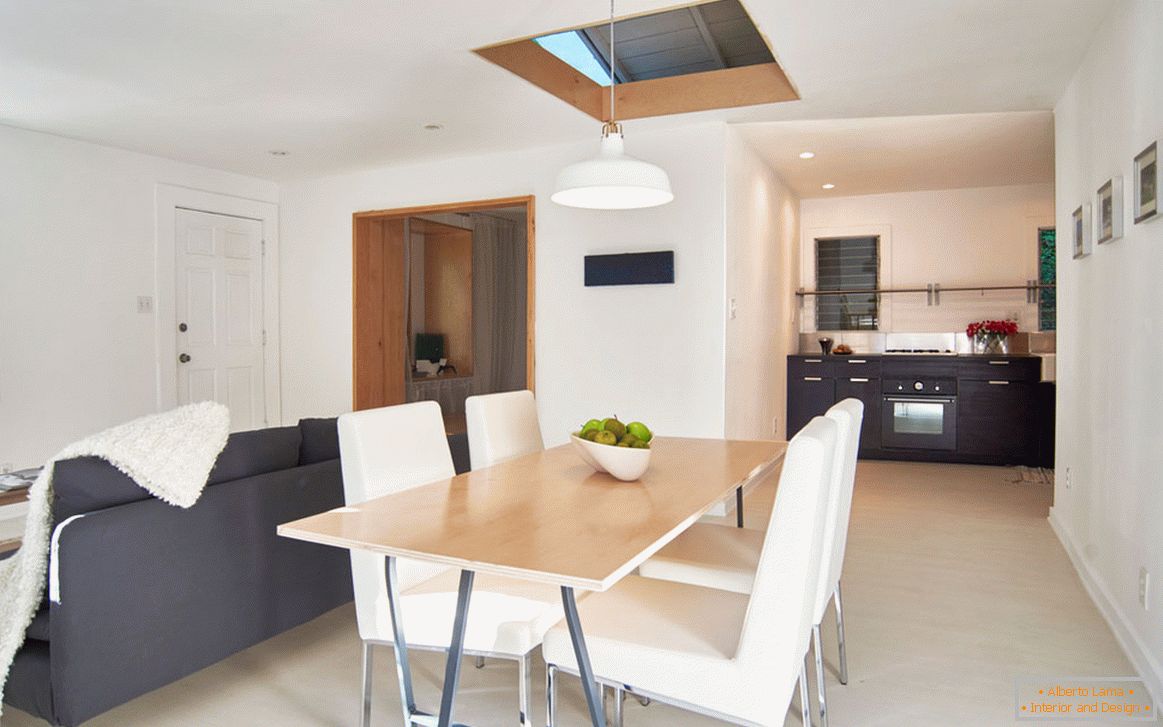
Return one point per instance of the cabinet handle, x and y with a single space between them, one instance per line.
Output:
812 378
857 360
813 360
999 363
858 381
999 383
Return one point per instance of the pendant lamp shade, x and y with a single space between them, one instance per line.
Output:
612 180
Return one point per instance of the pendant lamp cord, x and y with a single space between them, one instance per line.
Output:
613 72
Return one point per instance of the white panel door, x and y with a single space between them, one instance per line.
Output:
219 314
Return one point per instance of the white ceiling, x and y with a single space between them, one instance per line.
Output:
908 153
343 84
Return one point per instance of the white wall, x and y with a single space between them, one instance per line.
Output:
76 250
653 353
762 266
981 236
1108 496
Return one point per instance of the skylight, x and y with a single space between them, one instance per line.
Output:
571 48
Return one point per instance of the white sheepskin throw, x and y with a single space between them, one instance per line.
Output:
170 455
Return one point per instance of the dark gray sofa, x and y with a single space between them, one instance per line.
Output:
150 593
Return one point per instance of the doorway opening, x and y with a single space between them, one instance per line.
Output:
443 303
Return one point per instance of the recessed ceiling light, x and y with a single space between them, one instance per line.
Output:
807 154
433 126
278 152
829 185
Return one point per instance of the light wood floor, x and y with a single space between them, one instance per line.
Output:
954 584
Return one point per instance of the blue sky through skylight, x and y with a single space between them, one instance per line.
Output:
569 47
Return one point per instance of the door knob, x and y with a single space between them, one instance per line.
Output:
184 358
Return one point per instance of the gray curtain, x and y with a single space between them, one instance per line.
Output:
499 298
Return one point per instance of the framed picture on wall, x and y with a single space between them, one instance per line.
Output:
1083 242
1109 205
1147 184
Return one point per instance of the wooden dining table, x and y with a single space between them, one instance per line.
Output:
545 517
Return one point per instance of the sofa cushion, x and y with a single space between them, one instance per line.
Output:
39 628
86 484
29 686
320 440
257 452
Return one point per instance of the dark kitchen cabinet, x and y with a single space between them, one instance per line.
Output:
808 396
868 391
998 419
1003 415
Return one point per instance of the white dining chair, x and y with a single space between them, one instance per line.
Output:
728 655
393 449
501 426
718 556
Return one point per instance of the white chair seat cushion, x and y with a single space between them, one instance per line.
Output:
671 639
506 615
715 556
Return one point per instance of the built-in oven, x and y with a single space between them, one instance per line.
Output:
919 414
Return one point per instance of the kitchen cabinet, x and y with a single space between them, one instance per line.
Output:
1004 414
868 391
808 396
997 418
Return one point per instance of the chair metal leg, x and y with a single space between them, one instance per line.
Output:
455 649
619 703
840 635
479 662
585 671
805 714
739 506
550 695
365 718
525 690
821 699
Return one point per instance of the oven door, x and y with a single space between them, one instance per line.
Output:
919 422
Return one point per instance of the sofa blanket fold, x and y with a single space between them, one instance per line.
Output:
170 455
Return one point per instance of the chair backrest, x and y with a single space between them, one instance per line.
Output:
849 415
501 426
382 451
776 629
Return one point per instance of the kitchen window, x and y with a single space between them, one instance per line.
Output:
848 264
1047 275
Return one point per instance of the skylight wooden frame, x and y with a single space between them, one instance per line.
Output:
761 83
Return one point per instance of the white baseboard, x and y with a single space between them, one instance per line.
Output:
1149 668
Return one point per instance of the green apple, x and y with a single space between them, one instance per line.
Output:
640 430
606 437
591 425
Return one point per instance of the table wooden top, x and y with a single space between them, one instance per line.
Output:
548 516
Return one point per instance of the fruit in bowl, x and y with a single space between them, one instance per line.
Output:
608 445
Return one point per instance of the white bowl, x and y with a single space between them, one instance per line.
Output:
625 463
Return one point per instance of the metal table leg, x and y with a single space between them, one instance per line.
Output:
739 506
455 649
585 671
399 645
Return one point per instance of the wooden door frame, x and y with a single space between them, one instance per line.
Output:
169 198
481 205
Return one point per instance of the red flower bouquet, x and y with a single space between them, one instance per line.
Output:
991 336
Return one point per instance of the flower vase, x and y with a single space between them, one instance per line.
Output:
992 343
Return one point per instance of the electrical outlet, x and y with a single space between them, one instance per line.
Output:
1144 587
1068 483
6 467
774 426
144 304
732 308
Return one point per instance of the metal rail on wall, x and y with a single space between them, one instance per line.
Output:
934 290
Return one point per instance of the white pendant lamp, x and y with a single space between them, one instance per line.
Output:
612 180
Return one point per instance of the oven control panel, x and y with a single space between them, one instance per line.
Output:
921 386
